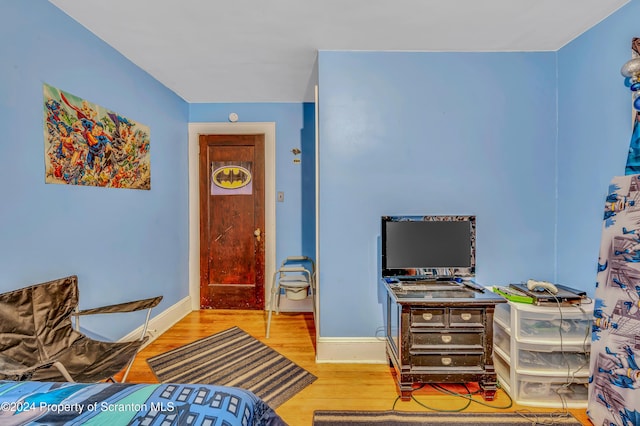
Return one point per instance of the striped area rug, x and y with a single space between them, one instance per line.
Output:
401 418
233 358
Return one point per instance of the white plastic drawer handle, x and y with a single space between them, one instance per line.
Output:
446 361
446 339
428 316
466 316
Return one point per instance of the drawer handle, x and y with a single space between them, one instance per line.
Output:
446 361
465 316
446 339
428 316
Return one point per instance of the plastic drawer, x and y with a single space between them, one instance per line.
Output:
552 359
502 314
501 338
549 325
550 391
502 367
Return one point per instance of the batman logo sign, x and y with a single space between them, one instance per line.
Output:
231 177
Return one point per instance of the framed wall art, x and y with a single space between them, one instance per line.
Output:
87 144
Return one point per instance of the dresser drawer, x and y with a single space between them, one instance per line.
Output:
444 340
466 317
428 317
448 360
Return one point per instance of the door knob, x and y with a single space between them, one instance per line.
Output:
257 233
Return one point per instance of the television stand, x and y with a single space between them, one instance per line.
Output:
440 336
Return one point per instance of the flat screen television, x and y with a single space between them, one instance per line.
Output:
437 247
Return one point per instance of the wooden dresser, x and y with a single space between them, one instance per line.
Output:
440 332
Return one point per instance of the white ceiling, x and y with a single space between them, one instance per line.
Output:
265 50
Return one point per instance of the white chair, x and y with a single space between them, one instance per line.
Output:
296 276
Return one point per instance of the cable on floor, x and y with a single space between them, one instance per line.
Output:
468 396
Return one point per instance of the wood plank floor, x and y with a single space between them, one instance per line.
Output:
338 387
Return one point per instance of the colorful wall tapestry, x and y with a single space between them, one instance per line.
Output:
86 144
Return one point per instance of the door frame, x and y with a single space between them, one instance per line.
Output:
197 129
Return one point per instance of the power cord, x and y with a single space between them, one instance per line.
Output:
548 419
468 396
565 388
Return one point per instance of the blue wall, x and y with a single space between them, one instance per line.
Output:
432 133
295 216
518 139
123 244
594 130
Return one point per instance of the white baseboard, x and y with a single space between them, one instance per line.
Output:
162 322
351 350
340 350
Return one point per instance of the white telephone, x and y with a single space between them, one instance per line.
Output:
533 285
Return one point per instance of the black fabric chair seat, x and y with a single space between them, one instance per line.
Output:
38 340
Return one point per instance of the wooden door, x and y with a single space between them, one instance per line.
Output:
232 208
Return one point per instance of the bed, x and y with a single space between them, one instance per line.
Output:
56 403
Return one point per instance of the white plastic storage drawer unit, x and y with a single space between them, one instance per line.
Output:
541 353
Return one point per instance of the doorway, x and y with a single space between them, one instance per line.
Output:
232 221
267 236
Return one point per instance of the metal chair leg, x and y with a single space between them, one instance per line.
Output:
275 287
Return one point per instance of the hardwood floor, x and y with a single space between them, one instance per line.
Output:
338 387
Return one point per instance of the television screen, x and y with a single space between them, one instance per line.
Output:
429 246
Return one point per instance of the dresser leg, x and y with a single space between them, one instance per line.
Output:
488 390
405 390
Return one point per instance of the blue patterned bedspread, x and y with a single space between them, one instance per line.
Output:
46 403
